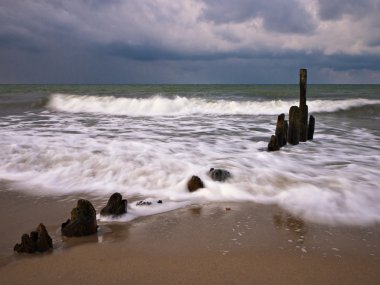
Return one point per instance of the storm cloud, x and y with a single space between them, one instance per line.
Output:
188 41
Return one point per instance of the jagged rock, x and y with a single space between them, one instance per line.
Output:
82 222
38 241
273 143
116 206
194 183
219 174
281 130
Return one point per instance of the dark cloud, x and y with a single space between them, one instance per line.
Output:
278 15
335 9
151 52
14 41
115 41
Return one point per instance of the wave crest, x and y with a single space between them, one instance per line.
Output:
162 106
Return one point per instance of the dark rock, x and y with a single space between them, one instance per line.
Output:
194 183
219 174
281 130
116 206
82 222
294 125
310 131
273 144
38 241
159 202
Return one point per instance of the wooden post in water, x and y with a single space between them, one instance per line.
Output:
281 130
273 143
310 131
298 128
294 125
303 107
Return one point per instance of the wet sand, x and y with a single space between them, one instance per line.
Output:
200 244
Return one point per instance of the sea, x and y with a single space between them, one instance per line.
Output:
147 141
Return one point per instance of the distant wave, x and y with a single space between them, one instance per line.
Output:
163 106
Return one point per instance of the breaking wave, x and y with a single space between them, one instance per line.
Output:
163 106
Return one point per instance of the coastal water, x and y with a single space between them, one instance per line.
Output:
146 141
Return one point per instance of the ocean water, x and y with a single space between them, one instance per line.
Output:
146 141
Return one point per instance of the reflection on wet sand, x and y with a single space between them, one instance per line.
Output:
106 233
295 226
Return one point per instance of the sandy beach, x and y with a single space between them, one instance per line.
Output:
200 244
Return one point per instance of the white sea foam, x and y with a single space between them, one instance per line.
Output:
333 179
162 106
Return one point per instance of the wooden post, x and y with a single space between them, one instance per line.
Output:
303 82
294 125
303 107
281 130
273 143
310 131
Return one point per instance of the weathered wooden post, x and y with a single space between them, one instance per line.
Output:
298 128
310 131
273 143
294 125
281 130
303 107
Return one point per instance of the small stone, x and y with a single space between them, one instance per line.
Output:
194 183
219 174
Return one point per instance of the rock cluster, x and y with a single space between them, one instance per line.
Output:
81 223
216 174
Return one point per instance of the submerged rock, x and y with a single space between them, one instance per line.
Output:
147 203
82 222
194 183
116 206
143 203
38 241
219 174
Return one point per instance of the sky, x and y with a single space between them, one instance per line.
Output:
189 41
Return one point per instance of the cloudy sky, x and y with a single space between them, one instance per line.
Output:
189 41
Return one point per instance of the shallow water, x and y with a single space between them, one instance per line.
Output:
147 141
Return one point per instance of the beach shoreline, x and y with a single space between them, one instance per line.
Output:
203 244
